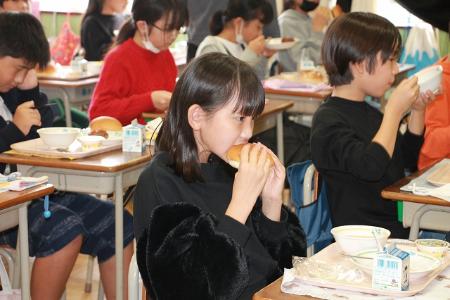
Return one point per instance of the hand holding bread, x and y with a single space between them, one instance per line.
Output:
255 163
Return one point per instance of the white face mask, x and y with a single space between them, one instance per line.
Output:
147 43
239 37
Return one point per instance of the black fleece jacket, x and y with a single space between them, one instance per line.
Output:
183 233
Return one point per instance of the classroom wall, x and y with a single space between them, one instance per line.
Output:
52 22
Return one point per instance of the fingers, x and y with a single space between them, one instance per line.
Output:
28 104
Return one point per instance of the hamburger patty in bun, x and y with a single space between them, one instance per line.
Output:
101 125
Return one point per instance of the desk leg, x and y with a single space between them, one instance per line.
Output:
118 202
65 99
280 137
415 225
24 252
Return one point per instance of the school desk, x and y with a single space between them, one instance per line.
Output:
272 116
74 92
104 173
427 203
11 201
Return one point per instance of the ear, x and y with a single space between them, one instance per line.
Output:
237 22
142 26
196 115
358 68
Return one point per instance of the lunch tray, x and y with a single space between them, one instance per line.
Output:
36 147
333 255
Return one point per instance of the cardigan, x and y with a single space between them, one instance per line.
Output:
130 74
356 169
213 43
182 222
297 25
9 133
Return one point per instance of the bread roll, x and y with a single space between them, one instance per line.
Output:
105 123
234 155
50 69
311 76
287 39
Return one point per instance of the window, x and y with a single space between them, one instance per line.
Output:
64 6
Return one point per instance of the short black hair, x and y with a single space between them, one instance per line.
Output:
22 36
210 81
355 37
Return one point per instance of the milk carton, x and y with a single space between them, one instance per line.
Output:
133 137
391 270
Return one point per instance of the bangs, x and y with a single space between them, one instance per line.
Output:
393 49
249 95
176 18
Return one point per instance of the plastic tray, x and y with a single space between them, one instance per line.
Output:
334 255
37 148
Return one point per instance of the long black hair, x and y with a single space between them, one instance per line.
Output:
246 9
151 11
95 7
210 81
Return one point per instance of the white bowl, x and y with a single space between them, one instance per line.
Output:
58 137
91 141
356 238
278 44
430 78
434 247
419 264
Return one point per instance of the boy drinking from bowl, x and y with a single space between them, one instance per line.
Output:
78 223
357 149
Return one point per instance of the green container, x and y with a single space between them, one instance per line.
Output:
400 211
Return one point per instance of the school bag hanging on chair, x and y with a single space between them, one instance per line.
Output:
309 196
66 44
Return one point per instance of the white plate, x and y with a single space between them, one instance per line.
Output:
277 44
420 264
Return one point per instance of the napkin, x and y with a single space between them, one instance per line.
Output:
283 84
442 192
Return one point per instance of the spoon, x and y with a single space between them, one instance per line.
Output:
380 249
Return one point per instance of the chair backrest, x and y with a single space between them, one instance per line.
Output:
308 194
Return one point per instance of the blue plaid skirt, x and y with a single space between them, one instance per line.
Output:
72 215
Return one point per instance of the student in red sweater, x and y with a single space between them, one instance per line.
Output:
139 73
437 123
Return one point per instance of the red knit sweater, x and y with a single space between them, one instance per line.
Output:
130 73
437 123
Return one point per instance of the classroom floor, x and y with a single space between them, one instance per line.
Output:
75 285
